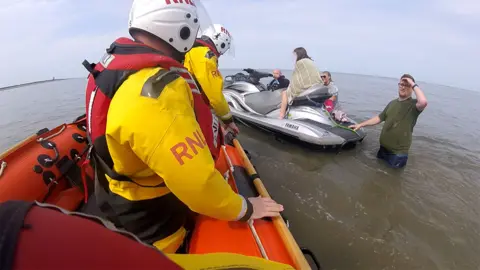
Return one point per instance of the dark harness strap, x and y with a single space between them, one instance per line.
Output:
254 176
115 176
90 68
12 216
104 206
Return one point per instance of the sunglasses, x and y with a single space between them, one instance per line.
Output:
323 76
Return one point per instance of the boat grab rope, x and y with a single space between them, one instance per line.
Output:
2 167
50 187
330 116
338 125
257 239
52 135
227 158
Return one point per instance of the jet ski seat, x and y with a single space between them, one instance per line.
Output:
264 102
313 96
239 77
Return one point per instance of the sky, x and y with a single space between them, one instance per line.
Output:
436 41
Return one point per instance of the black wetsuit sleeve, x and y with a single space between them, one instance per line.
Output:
269 85
284 83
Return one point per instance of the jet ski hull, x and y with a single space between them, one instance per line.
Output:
310 125
304 130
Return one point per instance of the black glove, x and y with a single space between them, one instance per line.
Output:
229 138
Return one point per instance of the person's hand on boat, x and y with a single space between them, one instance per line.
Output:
233 128
265 207
355 127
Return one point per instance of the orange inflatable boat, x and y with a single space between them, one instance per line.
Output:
47 167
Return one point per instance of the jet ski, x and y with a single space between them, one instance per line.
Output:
253 104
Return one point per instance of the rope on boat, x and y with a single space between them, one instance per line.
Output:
257 239
2 167
227 158
53 135
330 116
338 125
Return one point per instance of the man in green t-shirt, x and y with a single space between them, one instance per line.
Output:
400 117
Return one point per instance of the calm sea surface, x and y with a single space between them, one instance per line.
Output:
350 209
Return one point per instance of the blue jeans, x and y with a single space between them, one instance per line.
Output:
393 160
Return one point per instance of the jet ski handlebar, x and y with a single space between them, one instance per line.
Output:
257 74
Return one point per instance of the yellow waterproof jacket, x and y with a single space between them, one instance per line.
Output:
225 261
202 63
153 138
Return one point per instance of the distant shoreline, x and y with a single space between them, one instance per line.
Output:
367 75
240 69
31 83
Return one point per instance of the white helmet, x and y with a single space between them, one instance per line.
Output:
177 22
220 36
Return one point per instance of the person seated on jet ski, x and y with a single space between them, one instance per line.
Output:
279 81
332 88
331 104
304 76
202 62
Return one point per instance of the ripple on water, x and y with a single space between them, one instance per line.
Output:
350 209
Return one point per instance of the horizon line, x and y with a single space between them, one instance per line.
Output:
241 69
369 75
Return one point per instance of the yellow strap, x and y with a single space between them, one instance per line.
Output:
213 261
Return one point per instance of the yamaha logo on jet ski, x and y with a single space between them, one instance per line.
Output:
252 103
291 126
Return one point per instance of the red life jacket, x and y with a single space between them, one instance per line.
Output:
124 58
26 226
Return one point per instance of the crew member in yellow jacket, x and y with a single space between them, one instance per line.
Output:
202 62
152 156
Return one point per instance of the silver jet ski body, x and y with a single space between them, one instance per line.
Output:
253 103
